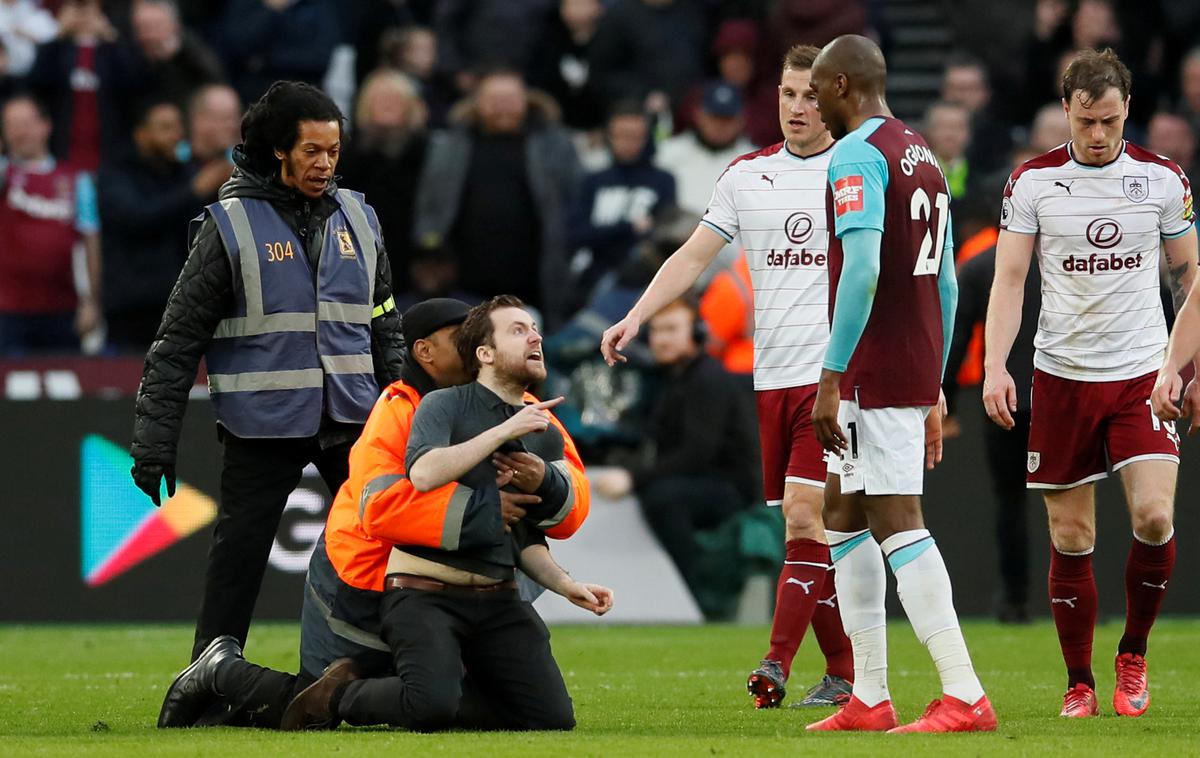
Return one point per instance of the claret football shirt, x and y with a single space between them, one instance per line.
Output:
884 177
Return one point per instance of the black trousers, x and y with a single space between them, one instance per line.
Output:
256 478
252 695
511 680
677 507
1006 458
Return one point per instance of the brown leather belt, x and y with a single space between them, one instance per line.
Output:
413 582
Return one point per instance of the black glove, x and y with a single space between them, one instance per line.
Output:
147 477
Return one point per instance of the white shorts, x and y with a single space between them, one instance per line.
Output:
887 450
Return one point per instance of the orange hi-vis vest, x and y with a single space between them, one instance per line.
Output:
378 507
971 371
727 307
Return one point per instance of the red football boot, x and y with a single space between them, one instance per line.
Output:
855 716
1080 702
1132 695
953 715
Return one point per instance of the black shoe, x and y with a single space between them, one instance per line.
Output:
195 689
310 709
831 691
766 684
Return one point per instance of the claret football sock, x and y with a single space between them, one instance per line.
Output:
800 584
1073 605
827 627
1146 575
923 585
861 584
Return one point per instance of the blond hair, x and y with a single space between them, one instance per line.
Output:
399 84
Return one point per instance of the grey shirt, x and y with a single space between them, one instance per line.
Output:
454 415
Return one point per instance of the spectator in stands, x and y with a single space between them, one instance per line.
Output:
270 40
383 160
1062 28
368 24
698 157
1170 135
8 82
808 22
1189 89
649 50
699 466
214 124
616 208
947 130
87 79
965 82
23 26
1049 38
737 50
1050 128
46 208
178 61
492 200
413 51
146 202
605 410
477 34
560 63
735 47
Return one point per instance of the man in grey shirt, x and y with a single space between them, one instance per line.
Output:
450 608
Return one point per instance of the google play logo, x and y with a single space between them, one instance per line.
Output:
120 526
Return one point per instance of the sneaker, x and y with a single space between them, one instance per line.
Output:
195 689
1080 702
830 691
855 716
1132 694
766 684
312 709
949 714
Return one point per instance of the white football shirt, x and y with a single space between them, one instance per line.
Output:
776 201
1099 231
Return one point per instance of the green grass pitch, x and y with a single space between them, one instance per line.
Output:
96 690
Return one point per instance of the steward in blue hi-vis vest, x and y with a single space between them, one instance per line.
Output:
297 344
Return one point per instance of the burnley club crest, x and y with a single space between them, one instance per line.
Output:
1136 188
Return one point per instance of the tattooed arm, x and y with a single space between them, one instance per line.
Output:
1180 255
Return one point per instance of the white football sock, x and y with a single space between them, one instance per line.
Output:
924 588
861 583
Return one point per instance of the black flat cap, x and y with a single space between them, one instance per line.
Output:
427 316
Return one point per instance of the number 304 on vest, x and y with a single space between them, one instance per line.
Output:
277 251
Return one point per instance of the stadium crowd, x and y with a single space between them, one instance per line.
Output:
557 150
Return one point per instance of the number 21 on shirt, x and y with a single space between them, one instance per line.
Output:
929 259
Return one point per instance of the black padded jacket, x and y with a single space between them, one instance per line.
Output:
204 294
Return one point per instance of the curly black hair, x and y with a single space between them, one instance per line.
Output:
273 123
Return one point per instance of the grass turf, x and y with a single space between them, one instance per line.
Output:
96 690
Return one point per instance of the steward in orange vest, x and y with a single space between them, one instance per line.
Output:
377 507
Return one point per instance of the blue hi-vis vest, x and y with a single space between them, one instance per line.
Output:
296 344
